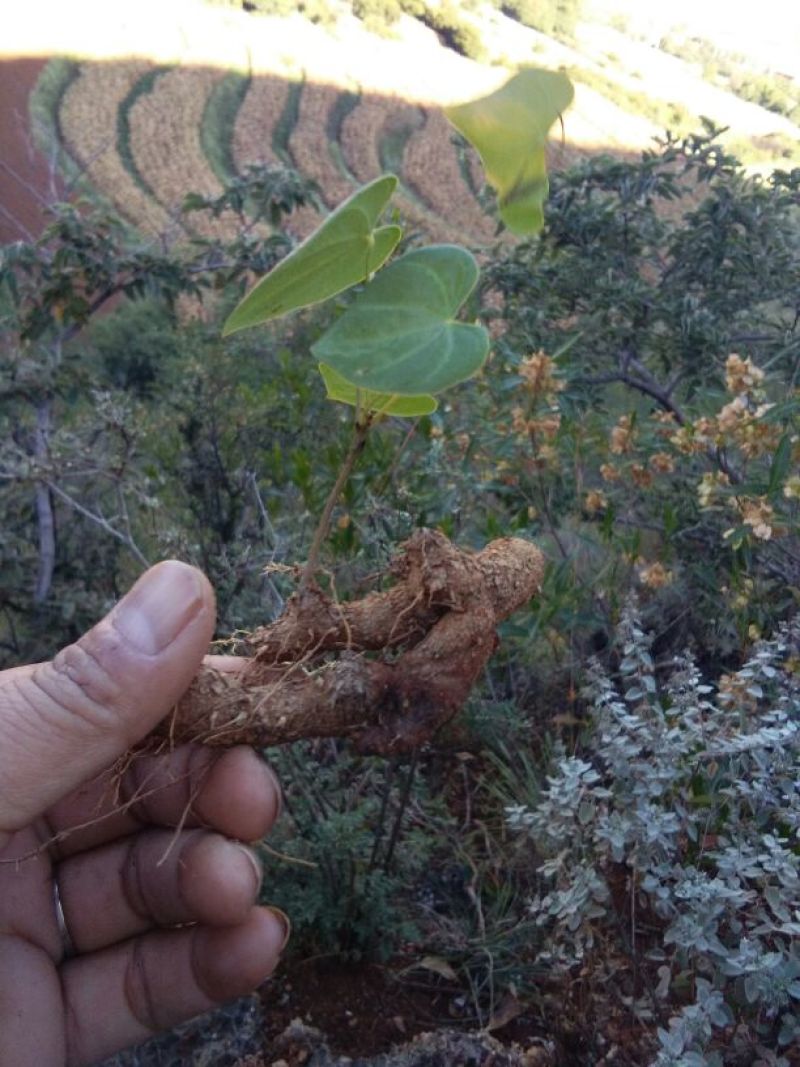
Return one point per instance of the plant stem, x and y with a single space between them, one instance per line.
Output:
361 430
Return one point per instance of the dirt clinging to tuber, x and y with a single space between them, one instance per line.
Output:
386 671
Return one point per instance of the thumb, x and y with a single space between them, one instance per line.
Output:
63 721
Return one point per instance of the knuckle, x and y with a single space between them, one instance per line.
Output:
140 994
77 681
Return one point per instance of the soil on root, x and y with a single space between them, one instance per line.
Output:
313 672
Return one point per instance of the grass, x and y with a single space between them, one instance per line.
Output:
674 117
143 86
392 145
773 149
44 103
218 122
345 103
286 123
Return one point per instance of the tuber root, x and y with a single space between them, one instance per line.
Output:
314 672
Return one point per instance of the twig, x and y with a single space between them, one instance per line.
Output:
104 524
362 427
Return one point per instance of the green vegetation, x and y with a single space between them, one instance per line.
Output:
287 122
142 87
219 118
775 92
319 11
610 845
43 106
454 31
343 105
394 140
668 116
556 18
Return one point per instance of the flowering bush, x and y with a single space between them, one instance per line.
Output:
641 412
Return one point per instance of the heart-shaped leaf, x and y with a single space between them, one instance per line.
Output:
399 335
338 388
344 250
509 129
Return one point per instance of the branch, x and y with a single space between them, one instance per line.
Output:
360 432
104 524
647 384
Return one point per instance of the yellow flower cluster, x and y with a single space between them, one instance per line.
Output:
654 575
622 436
641 476
741 375
709 487
594 501
758 514
662 463
740 423
538 372
539 420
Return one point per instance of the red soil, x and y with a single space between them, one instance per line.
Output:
27 182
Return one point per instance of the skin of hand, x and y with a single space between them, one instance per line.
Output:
158 892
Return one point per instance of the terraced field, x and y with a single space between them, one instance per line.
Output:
90 118
431 168
165 143
146 136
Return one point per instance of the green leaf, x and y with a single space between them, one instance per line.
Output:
398 335
781 462
509 129
338 388
344 250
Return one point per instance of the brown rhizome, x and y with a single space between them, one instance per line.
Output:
386 671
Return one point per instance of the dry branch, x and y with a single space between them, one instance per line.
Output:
313 672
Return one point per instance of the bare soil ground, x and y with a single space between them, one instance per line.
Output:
27 180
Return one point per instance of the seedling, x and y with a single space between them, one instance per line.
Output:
395 348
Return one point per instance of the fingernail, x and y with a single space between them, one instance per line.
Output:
257 869
285 922
159 606
277 786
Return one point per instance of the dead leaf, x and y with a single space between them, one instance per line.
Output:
438 966
508 1008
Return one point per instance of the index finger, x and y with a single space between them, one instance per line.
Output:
232 791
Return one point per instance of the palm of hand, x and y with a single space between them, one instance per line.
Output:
126 879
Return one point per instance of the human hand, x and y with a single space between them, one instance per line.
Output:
134 854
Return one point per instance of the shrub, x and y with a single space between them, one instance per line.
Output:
346 825
453 31
673 838
43 107
640 410
219 122
144 85
556 18
379 16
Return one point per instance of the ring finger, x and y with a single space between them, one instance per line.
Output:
154 879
